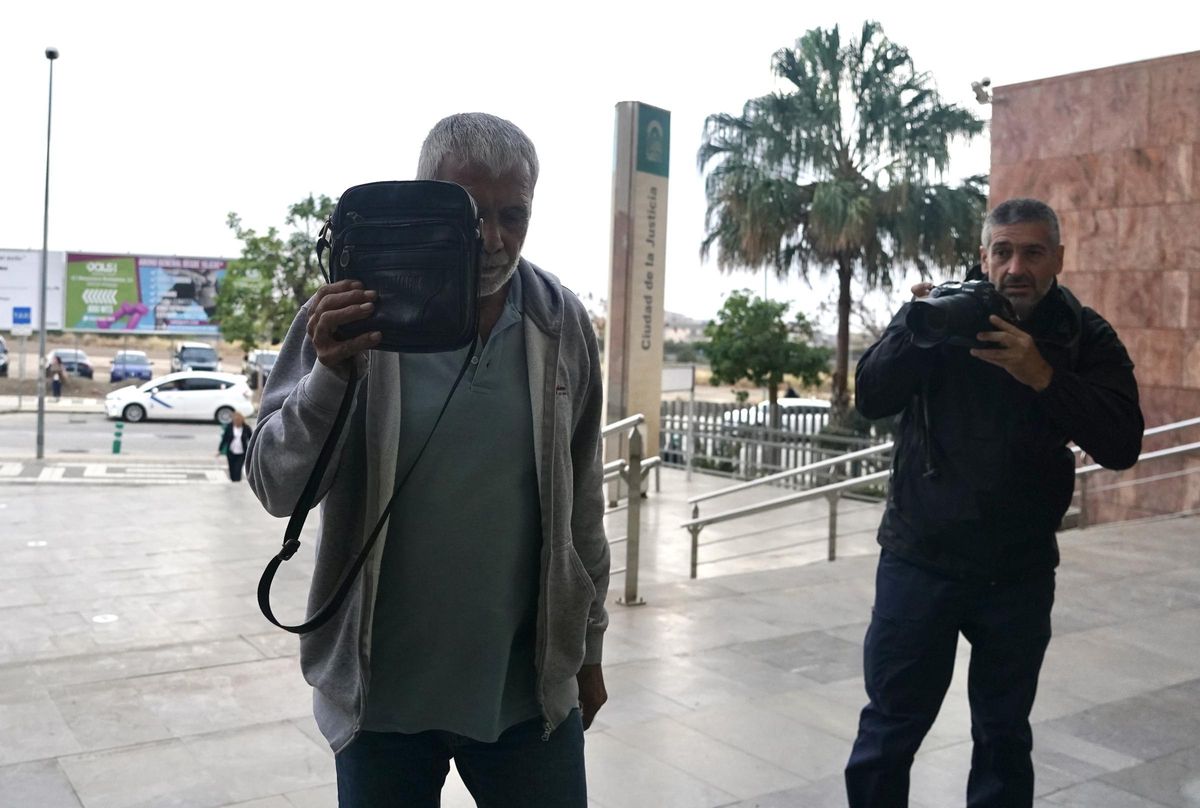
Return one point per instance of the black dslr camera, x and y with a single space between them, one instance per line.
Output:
955 312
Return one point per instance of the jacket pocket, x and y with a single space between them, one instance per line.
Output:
569 596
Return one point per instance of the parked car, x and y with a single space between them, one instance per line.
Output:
3 358
191 395
258 363
195 356
74 362
130 365
803 415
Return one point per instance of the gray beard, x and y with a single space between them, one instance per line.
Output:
492 279
1023 307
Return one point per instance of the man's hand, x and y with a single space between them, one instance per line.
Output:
337 304
592 694
920 290
1016 353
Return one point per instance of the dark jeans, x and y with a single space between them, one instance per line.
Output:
519 770
235 465
908 661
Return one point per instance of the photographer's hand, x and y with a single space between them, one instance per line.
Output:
1016 353
920 290
336 304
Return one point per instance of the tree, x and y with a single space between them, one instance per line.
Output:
750 339
838 172
274 277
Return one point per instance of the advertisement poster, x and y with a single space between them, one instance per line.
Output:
20 284
143 294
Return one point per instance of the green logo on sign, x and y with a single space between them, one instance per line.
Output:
654 140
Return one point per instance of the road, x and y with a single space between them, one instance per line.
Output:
91 437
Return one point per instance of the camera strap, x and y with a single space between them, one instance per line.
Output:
291 537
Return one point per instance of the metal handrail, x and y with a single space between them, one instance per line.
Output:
633 420
632 470
1155 430
783 475
833 490
1182 448
772 504
617 468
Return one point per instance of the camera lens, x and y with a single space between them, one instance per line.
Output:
935 320
928 323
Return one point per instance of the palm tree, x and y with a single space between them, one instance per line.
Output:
841 170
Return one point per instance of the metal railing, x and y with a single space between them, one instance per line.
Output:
783 475
737 440
631 470
834 491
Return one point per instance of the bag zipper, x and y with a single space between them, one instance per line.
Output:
428 246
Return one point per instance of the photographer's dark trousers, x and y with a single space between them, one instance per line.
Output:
518 770
908 661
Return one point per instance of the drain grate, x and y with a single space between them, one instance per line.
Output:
176 437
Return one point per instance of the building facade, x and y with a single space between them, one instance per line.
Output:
1116 152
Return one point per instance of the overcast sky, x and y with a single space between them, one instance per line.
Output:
168 115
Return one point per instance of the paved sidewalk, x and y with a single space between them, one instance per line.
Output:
64 404
71 470
135 669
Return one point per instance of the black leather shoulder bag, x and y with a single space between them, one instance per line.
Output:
417 244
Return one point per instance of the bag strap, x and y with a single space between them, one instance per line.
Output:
323 244
291 536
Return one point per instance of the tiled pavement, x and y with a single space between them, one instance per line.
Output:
111 472
135 669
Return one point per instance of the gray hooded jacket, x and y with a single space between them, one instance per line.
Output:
298 408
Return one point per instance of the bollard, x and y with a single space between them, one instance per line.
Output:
634 515
117 437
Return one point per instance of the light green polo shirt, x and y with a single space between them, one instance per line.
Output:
456 611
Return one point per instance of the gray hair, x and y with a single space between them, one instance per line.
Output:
1019 211
478 138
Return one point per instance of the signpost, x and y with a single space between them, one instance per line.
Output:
22 326
22 321
633 334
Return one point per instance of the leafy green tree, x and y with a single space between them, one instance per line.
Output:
751 339
683 352
841 171
274 277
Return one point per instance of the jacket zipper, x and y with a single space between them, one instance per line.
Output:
548 541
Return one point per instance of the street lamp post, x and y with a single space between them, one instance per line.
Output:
51 55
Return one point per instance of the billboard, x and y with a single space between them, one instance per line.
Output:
132 294
20 272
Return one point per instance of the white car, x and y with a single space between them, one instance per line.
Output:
192 395
804 415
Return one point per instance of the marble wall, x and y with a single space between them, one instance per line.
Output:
1116 152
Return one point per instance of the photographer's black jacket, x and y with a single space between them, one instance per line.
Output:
981 473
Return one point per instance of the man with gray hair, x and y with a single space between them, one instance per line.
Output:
981 478
475 631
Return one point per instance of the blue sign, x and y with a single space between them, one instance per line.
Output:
22 315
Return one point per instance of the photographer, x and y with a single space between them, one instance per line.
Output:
981 478
475 630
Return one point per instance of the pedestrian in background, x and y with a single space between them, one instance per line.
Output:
56 378
234 440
